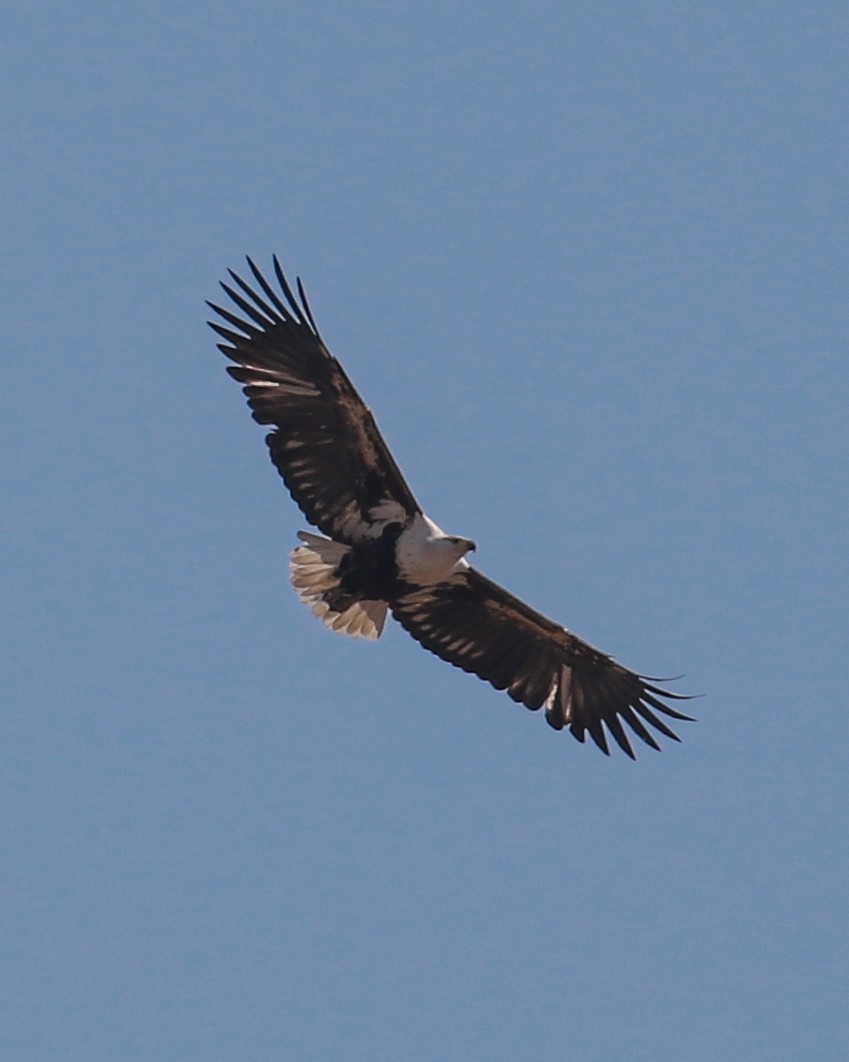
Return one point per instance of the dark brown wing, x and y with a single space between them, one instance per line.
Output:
326 444
475 624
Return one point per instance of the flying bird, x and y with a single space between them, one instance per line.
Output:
378 551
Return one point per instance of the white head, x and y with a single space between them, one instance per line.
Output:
425 554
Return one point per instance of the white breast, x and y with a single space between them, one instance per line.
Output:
425 554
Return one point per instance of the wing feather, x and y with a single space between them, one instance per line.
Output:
477 625
325 442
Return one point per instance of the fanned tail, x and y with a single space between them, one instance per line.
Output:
312 571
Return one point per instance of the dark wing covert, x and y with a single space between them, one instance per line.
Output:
475 624
325 443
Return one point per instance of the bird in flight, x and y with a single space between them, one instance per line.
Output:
378 552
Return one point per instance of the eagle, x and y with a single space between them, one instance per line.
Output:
379 553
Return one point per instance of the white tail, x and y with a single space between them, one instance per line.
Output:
311 569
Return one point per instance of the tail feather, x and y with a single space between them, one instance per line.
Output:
312 568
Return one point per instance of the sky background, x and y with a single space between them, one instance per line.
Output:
587 262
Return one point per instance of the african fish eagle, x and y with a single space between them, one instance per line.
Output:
379 552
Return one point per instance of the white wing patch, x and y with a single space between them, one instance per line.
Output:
564 686
286 382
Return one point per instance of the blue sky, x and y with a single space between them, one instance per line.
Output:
587 263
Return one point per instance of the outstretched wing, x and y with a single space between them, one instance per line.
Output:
475 624
325 444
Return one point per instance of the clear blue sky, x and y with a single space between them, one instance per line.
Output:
587 263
